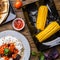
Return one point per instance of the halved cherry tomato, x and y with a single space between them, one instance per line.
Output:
11 47
6 58
15 51
2 48
5 46
14 56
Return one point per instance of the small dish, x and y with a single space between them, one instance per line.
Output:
18 24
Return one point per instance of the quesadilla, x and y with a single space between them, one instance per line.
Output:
4 9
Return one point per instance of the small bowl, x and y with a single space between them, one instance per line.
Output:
18 24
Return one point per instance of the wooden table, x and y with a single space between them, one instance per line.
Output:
25 31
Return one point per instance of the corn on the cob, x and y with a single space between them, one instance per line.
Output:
42 17
51 29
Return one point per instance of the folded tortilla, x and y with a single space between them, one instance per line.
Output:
4 12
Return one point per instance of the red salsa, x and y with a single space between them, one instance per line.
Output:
18 24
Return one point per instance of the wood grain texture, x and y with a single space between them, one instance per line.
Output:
57 4
25 31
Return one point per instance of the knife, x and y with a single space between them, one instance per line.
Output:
51 7
53 42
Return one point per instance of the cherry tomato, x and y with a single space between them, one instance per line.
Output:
18 4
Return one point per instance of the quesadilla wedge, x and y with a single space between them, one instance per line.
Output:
4 9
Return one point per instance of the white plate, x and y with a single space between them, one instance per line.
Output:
20 37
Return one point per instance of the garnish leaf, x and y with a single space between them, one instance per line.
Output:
6 51
42 57
33 53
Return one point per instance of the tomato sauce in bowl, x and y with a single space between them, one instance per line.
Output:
18 24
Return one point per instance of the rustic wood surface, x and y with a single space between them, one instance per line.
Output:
25 31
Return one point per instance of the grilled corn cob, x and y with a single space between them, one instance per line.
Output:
51 29
42 17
